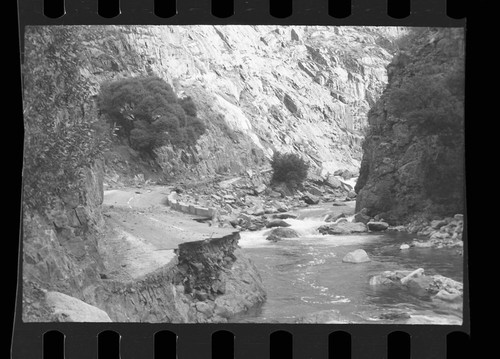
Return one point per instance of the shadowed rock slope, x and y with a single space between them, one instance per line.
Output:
414 151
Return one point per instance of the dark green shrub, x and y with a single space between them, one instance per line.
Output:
149 114
288 168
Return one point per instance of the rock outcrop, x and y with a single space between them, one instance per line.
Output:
256 88
413 152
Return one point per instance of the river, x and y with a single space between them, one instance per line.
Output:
306 280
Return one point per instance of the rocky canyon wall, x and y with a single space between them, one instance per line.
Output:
257 88
413 154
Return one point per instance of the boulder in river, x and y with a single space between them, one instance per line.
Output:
273 238
357 256
343 228
284 232
415 274
377 226
284 215
277 223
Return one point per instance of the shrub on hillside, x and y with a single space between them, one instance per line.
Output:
149 114
288 168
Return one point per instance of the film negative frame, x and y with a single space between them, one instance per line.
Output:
250 340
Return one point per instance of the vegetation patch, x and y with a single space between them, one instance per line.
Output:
289 168
148 113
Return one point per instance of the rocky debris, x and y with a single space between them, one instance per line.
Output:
333 182
357 256
277 223
343 228
377 226
69 309
433 286
441 233
310 199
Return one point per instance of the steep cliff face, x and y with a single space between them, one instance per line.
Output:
60 245
413 154
258 88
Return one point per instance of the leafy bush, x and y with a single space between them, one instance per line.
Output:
288 168
149 114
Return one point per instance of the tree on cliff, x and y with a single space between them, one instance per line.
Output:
288 168
149 114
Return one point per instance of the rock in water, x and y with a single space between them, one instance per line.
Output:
415 274
342 228
420 286
278 223
273 238
357 256
284 233
70 309
280 233
377 226
361 218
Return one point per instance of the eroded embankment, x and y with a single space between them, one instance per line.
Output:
208 281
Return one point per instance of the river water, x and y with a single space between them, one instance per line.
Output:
306 280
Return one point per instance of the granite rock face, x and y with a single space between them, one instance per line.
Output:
413 153
257 88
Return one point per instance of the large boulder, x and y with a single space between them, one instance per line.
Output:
284 232
343 228
357 256
278 223
280 233
333 182
69 309
377 226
